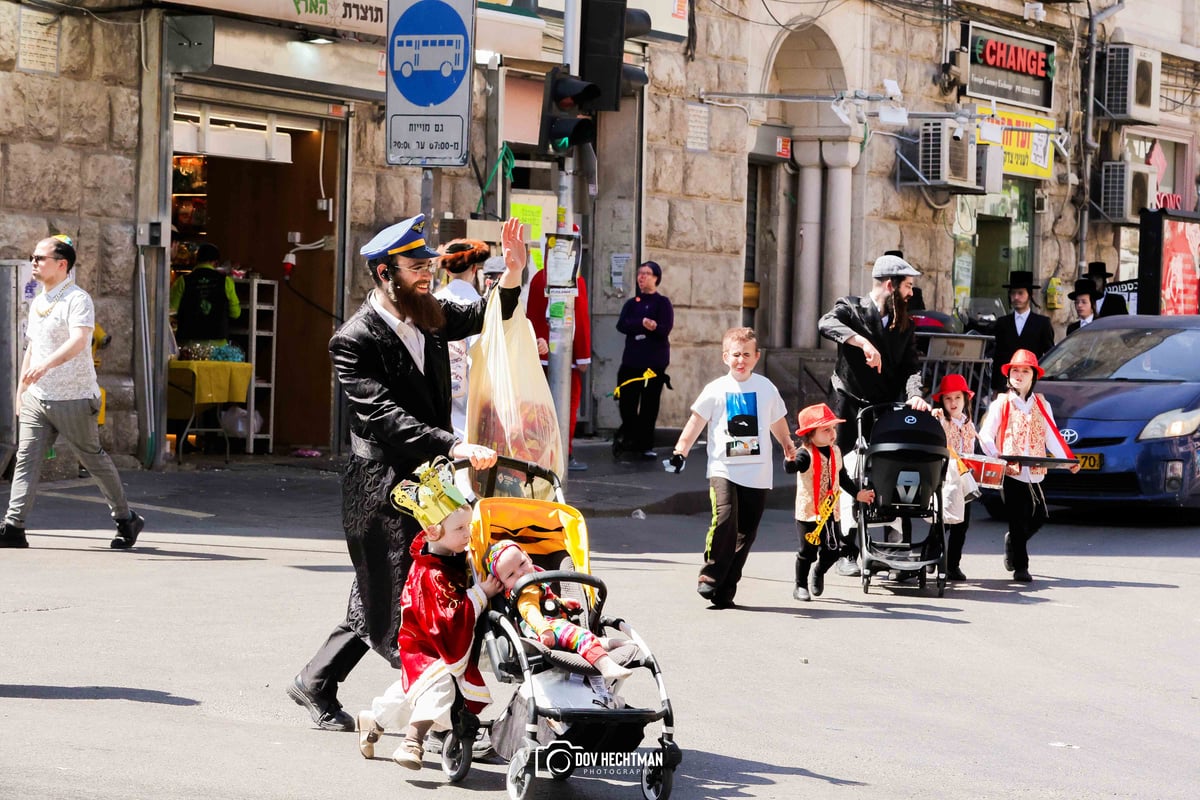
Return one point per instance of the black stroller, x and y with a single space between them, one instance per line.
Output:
905 463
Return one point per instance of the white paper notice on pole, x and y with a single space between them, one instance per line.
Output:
617 266
563 256
430 59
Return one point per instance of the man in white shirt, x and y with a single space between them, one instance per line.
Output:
1084 298
58 395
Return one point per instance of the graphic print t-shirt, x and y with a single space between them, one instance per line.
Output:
740 414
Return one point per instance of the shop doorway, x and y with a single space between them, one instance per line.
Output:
248 208
993 257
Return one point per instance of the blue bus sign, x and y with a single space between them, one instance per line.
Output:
430 55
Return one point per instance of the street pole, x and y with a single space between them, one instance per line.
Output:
562 327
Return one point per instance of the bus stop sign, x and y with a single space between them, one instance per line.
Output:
430 56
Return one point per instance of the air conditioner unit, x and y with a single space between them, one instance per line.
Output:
989 168
945 160
1125 189
1132 79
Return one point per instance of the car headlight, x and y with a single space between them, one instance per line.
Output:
1169 424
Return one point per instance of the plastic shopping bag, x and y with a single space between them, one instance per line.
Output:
509 407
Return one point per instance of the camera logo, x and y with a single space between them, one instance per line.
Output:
560 758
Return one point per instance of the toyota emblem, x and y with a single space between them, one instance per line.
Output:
1070 435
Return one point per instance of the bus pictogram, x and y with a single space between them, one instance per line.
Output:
443 54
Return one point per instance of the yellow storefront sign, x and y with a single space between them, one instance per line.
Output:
1028 143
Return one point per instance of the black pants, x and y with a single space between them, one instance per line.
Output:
736 512
824 555
333 661
638 405
1025 507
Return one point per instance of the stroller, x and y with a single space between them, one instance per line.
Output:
563 714
905 463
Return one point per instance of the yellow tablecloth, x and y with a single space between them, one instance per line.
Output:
195 383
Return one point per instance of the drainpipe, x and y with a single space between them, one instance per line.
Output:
1090 145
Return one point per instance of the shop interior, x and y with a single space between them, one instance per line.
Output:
272 184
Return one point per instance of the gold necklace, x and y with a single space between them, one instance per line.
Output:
54 302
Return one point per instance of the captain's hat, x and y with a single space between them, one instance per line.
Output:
432 497
406 238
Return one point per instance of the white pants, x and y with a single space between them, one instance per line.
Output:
394 710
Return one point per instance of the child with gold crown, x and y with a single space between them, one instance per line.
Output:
438 610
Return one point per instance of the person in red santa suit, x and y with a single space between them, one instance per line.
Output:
537 310
438 610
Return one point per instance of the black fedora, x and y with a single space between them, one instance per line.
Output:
1020 279
1098 269
1085 286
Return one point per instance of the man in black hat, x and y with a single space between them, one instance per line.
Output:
1107 305
877 359
1084 297
392 361
1021 329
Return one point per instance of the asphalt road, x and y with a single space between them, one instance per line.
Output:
159 672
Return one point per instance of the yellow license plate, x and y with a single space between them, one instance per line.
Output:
1090 460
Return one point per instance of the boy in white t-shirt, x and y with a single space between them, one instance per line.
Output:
738 408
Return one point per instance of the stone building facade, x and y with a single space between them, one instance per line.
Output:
745 233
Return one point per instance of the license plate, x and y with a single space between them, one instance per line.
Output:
1090 460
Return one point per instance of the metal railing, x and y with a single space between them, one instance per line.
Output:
965 354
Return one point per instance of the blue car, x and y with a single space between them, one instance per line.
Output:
1125 392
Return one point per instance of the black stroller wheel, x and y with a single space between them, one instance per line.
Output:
456 757
866 582
921 578
657 781
520 774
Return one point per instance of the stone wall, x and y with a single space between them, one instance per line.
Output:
68 157
693 214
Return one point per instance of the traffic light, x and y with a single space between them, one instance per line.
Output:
565 100
603 28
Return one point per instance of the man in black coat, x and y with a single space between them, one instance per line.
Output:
392 361
1107 305
1020 329
877 358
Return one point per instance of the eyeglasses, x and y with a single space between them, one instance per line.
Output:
428 266
40 259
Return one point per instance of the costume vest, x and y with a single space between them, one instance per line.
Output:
204 308
821 478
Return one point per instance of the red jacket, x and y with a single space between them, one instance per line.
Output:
538 307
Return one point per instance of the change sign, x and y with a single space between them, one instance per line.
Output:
430 56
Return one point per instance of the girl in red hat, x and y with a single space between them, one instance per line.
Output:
1019 423
820 470
953 401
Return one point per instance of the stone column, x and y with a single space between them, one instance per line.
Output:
839 158
806 290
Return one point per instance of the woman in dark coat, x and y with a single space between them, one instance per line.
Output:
646 320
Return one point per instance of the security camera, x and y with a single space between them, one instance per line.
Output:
959 132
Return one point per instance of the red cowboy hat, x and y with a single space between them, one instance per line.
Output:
1023 358
953 383
813 417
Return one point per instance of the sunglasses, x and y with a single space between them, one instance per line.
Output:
40 259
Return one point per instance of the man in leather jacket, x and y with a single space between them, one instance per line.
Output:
392 361
877 359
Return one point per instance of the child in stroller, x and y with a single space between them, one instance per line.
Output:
559 718
507 562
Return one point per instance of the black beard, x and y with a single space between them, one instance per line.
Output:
421 308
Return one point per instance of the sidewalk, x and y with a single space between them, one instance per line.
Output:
611 488
608 488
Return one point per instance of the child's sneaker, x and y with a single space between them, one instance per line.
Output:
368 733
410 754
